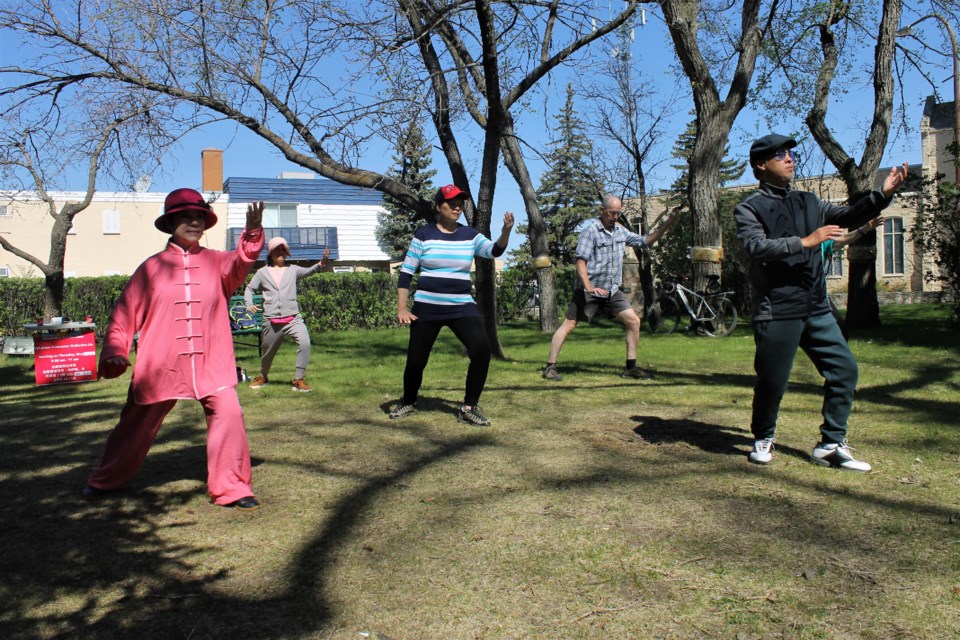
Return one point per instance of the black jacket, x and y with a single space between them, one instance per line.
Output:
787 279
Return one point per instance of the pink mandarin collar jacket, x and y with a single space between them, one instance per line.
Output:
177 300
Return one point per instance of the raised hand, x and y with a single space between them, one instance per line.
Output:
254 215
894 180
507 223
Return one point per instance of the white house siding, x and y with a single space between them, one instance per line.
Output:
355 225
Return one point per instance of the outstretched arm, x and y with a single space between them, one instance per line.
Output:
657 233
858 233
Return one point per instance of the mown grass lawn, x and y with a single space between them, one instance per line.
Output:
595 507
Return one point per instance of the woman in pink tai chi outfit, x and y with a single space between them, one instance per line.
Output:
177 301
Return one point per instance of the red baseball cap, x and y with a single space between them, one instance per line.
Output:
181 200
449 192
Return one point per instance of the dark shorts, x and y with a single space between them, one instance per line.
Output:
584 307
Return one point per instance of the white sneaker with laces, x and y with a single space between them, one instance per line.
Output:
762 451
838 456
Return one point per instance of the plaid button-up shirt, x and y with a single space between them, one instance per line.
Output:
602 250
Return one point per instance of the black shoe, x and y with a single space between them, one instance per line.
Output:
637 373
245 504
92 493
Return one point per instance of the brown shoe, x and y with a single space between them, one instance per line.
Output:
300 385
258 382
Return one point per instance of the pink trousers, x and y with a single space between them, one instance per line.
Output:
228 454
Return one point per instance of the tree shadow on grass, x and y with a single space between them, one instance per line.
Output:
712 438
108 568
427 404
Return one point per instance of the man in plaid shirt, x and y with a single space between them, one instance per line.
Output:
599 277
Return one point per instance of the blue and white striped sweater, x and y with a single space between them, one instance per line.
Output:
444 260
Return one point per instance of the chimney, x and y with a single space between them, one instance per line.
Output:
211 161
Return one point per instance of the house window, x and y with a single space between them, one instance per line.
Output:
4 212
833 268
111 222
4 272
893 246
279 214
343 269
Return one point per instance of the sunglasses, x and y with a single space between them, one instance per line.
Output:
782 154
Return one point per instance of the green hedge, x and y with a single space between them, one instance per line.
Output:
338 301
516 288
21 301
328 301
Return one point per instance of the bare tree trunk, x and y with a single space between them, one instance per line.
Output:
863 310
536 228
714 117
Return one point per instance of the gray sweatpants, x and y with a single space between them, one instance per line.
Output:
273 336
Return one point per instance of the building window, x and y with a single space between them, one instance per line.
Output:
4 272
279 214
4 211
893 246
343 269
833 267
111 222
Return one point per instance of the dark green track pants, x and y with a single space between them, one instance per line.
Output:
820 338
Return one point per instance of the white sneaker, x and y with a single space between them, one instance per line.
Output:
839 456
762 451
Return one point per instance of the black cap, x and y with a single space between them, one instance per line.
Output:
763 148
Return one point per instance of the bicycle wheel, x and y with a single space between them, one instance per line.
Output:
666 315
724 322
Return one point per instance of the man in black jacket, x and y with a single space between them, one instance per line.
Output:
781 231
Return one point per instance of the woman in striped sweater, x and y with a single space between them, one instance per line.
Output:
443 252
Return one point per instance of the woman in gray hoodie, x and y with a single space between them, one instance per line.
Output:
281 313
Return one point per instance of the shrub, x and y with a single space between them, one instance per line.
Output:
518 294
337 301
937 235
21 301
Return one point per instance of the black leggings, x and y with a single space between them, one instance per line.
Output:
423 334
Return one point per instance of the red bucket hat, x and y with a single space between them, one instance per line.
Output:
182 200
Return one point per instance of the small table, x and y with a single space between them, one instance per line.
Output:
64 352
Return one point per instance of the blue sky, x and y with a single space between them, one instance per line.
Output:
246 155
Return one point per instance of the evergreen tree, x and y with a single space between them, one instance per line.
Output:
569 190
412 159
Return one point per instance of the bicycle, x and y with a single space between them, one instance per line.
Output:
711 312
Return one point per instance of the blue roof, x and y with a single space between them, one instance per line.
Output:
299 190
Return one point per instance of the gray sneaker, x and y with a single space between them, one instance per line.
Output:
550 373
637 373
401 410
473 416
